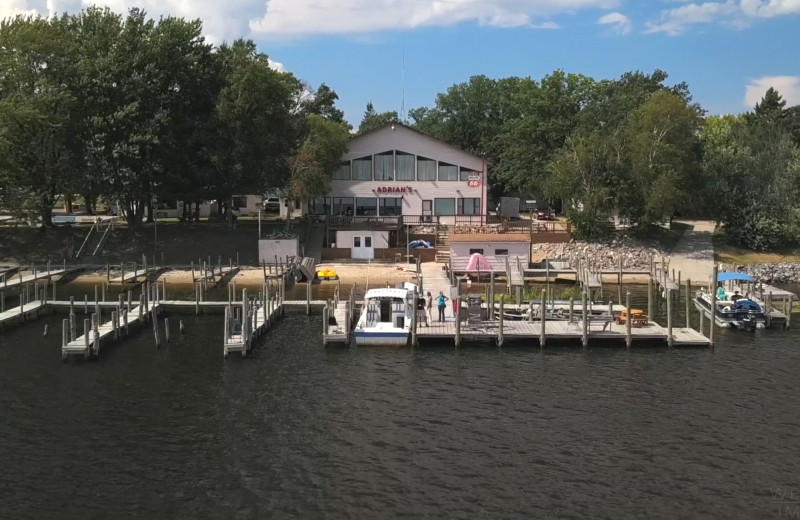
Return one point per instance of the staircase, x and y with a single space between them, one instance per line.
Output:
442 245
95 238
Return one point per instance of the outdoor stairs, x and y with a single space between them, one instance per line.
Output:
93 243
442 247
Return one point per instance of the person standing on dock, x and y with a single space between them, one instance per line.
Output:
442 304
421 316
429 304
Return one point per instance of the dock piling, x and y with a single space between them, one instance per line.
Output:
502 317
669 316
166 329
714 273
543 328
585 317
628 319
688 303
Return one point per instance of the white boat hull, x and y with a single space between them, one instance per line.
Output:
397 338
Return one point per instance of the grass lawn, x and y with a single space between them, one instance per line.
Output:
730 254
180 243
663 238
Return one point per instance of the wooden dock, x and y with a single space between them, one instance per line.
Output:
20 280
559 330
339 329
132 277
95 334
24 312
247 320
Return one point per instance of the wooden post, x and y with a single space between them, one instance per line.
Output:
87 328
669 316
414 318
491 296
543 328
96 294
64 332
530 310
114 324
789 314
713 304
325 325
502 317
585 315
166 329
125 320
650 298
308 298
768 310
688 303
628 320
458 322
619 281
2 302
154 318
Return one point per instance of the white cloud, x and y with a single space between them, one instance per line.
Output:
787 86
305 17
621 23
735 13
276 65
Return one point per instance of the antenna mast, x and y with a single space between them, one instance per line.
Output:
403 89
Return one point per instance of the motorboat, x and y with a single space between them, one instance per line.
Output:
386 316
741 313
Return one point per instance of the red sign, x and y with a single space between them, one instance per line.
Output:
474 183
395 189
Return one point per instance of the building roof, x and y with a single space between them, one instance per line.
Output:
401 125
489 238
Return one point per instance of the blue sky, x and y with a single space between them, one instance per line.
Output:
728 51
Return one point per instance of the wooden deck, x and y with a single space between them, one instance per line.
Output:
133 276
561 330
29 310
339 333
88 344
20 280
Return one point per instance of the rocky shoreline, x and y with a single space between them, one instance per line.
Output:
636 256
601 255
773 273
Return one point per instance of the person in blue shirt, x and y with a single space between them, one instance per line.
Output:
441 302
721 294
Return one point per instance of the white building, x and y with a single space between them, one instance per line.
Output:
396 171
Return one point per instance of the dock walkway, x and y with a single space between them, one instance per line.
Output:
20 280
88 344
22 313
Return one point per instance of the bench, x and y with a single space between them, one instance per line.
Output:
605 319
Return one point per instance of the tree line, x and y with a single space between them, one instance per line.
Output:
633 145
131 110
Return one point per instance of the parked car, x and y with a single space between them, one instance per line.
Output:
545 214
272 204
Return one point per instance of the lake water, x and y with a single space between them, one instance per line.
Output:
300 431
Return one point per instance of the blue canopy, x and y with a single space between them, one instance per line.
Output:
727 275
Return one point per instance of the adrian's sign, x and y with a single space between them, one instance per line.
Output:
395 189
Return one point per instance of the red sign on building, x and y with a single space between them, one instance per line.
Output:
395 189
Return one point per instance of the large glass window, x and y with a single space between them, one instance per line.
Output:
426 169
366 207
343 206
404 166
362 169
391 206
319 206
448 172
343 172
384 166
466 173
239 201
444 206
469 206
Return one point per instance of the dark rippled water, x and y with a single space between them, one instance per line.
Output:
298 431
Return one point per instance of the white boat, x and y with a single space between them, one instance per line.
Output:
386 316
741 313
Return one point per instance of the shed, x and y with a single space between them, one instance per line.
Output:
496 247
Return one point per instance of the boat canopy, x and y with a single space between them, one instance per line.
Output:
728 275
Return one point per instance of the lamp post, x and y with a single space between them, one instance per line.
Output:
408 250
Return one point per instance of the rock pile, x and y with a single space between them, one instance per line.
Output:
778 273
601 255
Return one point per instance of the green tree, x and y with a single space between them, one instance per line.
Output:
663 159
318 156
373 120
38 114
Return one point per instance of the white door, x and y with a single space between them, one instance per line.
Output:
362 248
